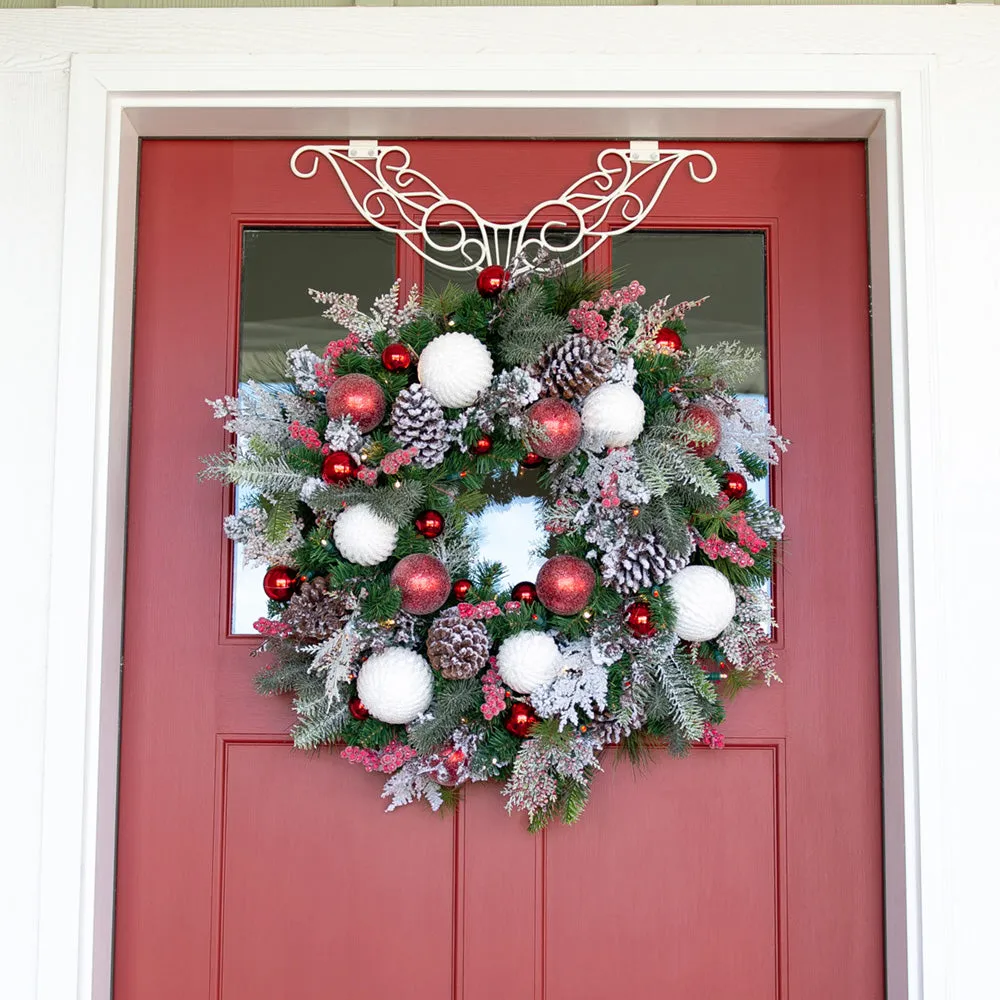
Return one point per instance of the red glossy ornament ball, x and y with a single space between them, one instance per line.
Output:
492 280
359 397
521 719
564 584
524 592
669 338
560 425
357 709
639 620
704 419
430 523
338 468
481 446
461 588
280 582
532 460
734 486
396 358
451 763
424 581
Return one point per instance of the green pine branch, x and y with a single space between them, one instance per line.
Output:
454 703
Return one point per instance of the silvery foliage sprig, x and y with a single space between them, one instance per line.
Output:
661 312
457 548
745 427
578 692
661 674
386 316
746 640
333 658
602 526
257 412
542 265
533 784
249 528
410 784
503 402
421 778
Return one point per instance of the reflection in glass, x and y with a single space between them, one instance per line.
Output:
729 267
277 314
281 265
510 528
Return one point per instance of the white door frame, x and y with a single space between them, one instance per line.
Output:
117 99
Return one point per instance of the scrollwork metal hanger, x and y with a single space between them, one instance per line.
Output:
394 197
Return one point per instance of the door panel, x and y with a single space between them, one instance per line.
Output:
247 871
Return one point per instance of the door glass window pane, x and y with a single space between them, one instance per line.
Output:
730 268
277 314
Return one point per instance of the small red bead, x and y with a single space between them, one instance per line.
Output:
639 620
338 468
481 446
669 338
396 358
429 523
734 485
521 719
532 460
461 588
280 582
524 592
357 709
492 280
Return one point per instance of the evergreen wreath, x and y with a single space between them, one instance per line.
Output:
394 639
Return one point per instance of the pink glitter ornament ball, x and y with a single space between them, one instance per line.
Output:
357 396
564 584
560 424
424 581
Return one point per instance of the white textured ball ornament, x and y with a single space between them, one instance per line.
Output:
705 602
455 368
613 415
528 660
396 685
364 537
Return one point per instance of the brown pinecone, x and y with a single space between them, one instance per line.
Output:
641 562
458 647
418 422
314 614
572 367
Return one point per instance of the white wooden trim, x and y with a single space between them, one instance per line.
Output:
117 98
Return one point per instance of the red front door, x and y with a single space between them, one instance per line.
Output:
247 871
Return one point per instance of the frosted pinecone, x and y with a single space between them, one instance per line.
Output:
574 366
315 614
641 562
418 422
458 647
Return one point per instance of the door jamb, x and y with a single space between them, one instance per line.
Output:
115 101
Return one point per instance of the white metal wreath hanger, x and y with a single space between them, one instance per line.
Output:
392 196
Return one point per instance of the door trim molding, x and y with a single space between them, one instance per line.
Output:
117 100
